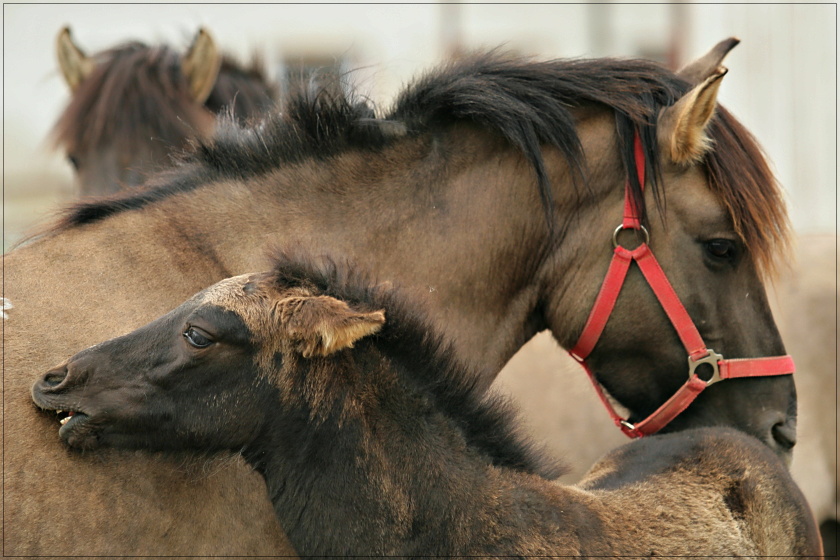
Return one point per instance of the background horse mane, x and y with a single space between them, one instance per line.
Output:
150 79
243 91
528 103
488 421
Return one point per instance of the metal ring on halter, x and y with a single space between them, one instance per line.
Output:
713 359
627 424
621 227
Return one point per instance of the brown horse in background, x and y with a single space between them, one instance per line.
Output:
370 427
134 104
490 191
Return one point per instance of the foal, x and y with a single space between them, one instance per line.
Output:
371 443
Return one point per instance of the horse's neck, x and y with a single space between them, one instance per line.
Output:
385 470
463 232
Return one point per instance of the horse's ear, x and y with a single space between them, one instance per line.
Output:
201 65
682 126
321 325
74 63
708 64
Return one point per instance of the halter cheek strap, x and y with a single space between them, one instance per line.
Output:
698 353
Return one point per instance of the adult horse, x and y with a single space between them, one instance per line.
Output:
489 190
361 419
134 104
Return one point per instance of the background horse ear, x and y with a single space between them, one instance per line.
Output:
201 65
708 64
322 325
74 63
682 126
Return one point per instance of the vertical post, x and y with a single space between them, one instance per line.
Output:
599 23
450 28
678 35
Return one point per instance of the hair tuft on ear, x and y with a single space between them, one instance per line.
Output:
323 325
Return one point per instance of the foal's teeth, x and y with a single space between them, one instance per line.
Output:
64 420
59 412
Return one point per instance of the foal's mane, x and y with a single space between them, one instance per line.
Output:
425 362
528 103
148 79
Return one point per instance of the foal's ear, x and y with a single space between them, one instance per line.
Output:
201 65
682 126
74 63
321 325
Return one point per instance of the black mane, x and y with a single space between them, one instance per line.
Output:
528 103
488 422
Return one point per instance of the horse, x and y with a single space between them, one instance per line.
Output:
134 104
492 175
371 427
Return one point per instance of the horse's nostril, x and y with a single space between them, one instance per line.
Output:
55 377
785 434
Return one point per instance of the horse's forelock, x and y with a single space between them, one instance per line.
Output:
740 176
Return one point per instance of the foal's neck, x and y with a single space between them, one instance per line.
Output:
378 470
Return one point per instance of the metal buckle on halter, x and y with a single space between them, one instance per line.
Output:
712 358
621 227
627 425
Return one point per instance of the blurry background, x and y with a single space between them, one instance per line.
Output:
782 83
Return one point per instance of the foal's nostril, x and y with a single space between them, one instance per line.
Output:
54 377
784 434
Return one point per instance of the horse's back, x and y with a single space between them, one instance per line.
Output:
721 489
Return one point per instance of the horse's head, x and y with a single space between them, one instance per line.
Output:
714 219
203 376
131 106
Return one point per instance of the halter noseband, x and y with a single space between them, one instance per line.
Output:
698 353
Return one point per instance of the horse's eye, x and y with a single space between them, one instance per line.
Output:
74 161
723 249
197 338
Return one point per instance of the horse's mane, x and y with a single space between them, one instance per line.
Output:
487 420
148 79
528 103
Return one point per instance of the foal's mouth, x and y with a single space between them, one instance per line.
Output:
69 419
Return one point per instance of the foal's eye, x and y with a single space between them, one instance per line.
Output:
74 161
722 249
197 338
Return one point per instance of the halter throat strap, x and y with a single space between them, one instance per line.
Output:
705 366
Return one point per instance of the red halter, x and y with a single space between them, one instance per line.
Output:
697 352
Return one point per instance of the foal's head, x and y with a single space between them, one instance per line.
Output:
256 357
204 375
